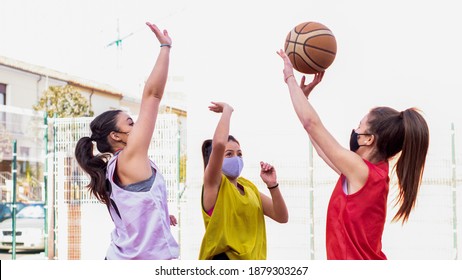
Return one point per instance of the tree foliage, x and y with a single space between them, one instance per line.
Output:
65 101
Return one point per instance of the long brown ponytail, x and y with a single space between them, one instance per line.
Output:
411 163
95 165
406 132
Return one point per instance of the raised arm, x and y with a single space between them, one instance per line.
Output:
342 160
134 157
274 207
212 173
307 89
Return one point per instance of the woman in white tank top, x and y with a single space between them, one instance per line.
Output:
125 179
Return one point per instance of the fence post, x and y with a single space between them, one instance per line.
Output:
311 188
53 202
45 183
13 212
454 191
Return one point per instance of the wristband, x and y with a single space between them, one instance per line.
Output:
273 187
165 45
286 78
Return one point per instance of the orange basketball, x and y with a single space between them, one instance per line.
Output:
311 47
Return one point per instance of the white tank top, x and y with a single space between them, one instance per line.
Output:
141 219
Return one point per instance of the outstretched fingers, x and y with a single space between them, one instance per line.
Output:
318 77
302 81
282 54
288 70
162 36
217 107
307 88
316 80
153 27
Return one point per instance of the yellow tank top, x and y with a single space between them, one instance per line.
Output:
237 225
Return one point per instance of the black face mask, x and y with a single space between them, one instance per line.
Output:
354 146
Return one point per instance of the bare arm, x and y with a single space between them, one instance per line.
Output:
133 162
134 158
274 207
212 173
323 156
346 162
307 89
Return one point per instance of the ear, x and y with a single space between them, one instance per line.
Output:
370 140
114 136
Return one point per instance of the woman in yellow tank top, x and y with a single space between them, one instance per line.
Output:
232 207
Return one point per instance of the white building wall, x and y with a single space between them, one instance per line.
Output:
23 88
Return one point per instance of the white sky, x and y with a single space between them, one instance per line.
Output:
394 53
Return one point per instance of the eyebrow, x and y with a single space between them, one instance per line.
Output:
233 150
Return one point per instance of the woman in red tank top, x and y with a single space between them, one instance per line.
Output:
357 208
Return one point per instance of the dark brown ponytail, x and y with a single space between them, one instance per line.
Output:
95 165
406 132
411 163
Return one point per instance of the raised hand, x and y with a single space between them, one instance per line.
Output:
288 67
268 173
162 36
309 87
219 107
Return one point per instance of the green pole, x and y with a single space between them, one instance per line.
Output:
13 215
454 190
45 183
311 187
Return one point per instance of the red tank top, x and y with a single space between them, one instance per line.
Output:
355 222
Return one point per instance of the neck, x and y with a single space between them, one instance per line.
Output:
238 187
372 156
119 146
232 180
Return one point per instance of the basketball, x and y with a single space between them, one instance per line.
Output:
311 47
